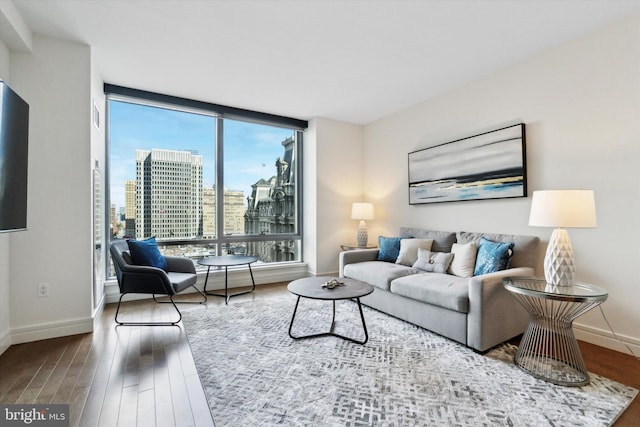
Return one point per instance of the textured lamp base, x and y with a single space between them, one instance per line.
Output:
363 236
559 268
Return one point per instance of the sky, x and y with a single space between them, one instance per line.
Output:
250 149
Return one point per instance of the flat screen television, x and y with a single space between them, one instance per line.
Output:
14 153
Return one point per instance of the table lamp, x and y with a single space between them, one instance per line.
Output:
362 211
561 209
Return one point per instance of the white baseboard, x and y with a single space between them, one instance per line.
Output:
5 342
51 330
237 278
604 338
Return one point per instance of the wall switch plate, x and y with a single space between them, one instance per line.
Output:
43 289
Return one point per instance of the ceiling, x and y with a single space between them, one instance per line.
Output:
353 61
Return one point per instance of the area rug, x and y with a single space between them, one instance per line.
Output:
254 374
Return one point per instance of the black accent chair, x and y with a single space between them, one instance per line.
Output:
137 279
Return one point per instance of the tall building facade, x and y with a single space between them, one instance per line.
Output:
272 209
168 194
234 210
130 208
209 213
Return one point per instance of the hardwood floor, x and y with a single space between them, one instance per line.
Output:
145 376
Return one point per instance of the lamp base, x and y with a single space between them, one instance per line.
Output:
559 268
363 236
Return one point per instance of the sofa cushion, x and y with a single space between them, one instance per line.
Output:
525 248
442 290
464 259
409 250
437 262
377 273
492 256
442 240
389 248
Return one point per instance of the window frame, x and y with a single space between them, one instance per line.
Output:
219 113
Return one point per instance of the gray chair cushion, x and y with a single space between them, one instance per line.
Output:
377 273
525 249
443 290
182 281
442 240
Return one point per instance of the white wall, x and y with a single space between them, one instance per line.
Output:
332 182
5 327
581 104
97 161
55 80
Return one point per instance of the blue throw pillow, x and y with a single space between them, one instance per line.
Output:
492 256
389 248
146 252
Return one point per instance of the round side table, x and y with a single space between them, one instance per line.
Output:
227 261
549 349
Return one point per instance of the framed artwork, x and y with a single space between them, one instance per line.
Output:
491 165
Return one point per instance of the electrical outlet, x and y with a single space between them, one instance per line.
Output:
43 290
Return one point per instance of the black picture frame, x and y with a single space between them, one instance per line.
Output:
489 165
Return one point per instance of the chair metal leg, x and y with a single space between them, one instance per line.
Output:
184 302
173 323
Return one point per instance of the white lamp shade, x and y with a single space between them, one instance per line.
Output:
563 209
362 211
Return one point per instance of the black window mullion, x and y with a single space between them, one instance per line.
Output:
228 112
219 184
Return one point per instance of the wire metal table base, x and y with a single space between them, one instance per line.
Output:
549 349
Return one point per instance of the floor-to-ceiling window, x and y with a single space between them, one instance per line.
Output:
203 179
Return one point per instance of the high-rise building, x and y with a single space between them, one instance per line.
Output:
168 194
234 210
114 220
130 208
209 213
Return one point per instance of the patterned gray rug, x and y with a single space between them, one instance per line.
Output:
254 374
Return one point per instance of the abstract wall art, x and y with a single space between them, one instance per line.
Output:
490 165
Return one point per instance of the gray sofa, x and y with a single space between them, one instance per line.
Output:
476 311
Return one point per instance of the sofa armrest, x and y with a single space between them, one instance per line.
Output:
494 314
357 255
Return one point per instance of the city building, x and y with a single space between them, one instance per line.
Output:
168 194
271 209
130 208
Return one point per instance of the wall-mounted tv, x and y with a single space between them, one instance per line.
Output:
14 152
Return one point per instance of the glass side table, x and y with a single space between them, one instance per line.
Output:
354 246
549 349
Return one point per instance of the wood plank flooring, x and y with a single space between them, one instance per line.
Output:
145 376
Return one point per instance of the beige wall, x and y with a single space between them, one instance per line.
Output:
581 105
333 164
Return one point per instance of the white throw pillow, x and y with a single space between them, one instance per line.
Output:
409 250
464 259
437 262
